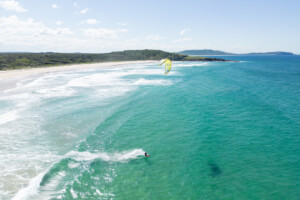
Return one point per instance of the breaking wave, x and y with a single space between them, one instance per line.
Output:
43 178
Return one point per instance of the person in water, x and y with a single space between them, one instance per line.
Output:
147 155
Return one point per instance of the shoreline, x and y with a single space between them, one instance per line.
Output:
10 78
9 75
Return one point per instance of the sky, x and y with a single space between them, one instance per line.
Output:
97 26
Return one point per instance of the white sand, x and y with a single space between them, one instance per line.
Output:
16 74
9 78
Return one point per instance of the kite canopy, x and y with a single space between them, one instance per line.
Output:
168 65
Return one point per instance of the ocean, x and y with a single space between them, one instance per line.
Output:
214 130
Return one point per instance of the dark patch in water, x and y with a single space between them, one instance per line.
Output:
215 170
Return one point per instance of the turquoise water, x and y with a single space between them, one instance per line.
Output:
213 130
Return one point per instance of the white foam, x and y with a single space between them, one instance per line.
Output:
34 83
152 82
147 71
98 192
110 78
109 92
69 135
124 156
92 80
74 195
21 163
31 189
192 64
9 116
61 91
34 185
72 165
102 194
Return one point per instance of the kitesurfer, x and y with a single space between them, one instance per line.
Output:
147 155
168 65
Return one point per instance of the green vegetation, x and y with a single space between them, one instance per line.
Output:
198 58
25 60
205 52
274 53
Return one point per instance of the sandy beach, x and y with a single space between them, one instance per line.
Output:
15 74
9 78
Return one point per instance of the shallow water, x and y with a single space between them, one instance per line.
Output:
213 130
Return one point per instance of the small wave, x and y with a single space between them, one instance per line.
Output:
94 80
113 91
31 189
22 99
103 194
33 83
191 64
152 82
111 78
74 195
19 96
45 178
60 91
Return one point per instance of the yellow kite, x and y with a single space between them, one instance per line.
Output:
168 65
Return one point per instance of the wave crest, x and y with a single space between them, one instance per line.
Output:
44 178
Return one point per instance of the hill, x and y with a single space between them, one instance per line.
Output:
275 53
205 52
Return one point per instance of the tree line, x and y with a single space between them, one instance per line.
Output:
25 60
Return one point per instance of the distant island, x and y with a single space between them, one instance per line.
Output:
208 52
27 60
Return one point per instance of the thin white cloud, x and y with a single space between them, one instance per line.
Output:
76 5
27 32
12 5
92 21
182 40
155 37
183 31
58 23
54 6
103 33
83 11
122 24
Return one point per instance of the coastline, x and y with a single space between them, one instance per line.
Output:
20 73
9 78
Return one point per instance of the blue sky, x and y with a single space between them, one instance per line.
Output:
110 25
